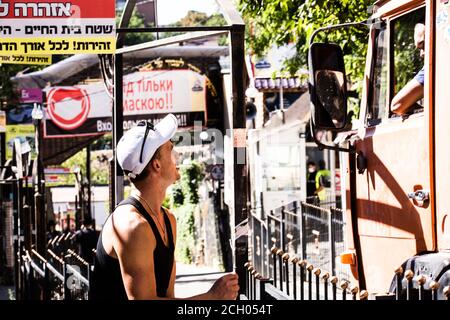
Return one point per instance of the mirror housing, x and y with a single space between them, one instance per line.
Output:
327 87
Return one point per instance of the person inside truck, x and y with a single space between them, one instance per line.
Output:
406 99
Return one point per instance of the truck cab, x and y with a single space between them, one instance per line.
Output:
398 162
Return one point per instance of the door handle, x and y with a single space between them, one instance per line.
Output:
419 197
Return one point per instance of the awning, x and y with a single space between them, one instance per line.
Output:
74 65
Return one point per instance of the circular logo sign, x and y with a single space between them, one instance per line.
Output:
68 107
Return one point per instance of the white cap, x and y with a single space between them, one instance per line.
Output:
129 146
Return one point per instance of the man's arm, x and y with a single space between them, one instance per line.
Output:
134 243
407 97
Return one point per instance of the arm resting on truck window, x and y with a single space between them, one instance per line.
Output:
407 97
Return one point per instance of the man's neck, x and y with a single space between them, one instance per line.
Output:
152 194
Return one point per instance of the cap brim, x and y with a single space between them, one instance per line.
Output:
167 127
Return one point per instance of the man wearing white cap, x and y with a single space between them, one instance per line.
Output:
135 251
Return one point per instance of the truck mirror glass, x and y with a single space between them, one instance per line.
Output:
327 86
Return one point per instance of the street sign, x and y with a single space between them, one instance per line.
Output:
68 107
86 110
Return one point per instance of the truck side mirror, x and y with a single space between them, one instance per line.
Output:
327 86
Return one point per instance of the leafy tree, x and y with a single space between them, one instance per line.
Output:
136 21
195 18
280 22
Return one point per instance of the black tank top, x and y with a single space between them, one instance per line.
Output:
106 280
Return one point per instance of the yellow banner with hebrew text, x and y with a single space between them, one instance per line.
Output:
26 59
20 46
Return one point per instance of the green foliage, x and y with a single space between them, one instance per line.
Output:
184 251
176 196
166 202
99 171
280 22
407 59
191 176
136 21
194 19
185 199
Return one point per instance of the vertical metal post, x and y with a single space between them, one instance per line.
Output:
249 288
283 229
331 239
409 276
421 281
118 126
325 285
294 276
247 277
398 280
344 286
268 244
39 193
280 261
26 212
302 265
310 268
77 213
354 291
16 239
303 231
274 258
334 281
317 274
286 274
434 286
66 288
46 282
88 179
238 76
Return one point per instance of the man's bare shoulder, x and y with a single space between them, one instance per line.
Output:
128 223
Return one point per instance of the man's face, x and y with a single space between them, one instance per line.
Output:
419 38
311 168
168 159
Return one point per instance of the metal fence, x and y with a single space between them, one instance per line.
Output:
61 275
295 252
310 232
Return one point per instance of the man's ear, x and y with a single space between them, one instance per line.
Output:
156 164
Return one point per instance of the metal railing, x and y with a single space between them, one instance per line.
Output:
297 279
294 254
63 276
305 230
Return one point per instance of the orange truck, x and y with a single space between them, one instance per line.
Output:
398 164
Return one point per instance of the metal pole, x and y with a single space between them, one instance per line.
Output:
88 179
238 77
283 229
331 239
39 194
117 126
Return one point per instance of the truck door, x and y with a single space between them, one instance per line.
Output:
441 122
393 227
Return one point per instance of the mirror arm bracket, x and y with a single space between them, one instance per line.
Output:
324 146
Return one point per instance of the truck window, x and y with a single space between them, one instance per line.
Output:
406 59
379 89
